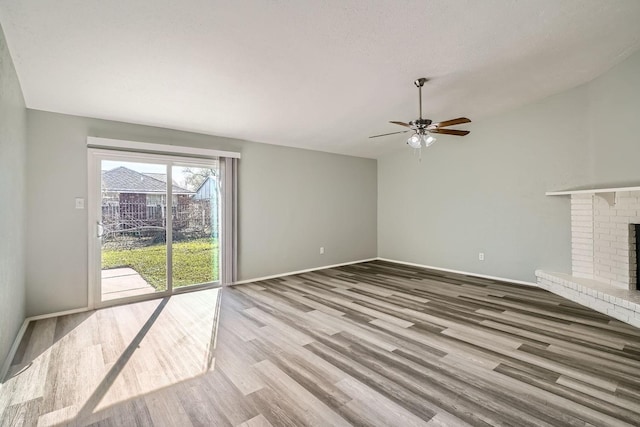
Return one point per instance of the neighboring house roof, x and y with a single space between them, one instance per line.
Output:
125 180
211 180
160 177
206 189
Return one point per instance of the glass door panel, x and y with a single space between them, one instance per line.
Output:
133 229
195 224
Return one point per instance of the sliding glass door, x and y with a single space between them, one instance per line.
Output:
195 249
132 229
157 225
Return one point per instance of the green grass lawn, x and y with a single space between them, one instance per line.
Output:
194 261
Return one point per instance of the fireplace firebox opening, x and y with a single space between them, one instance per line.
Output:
635 256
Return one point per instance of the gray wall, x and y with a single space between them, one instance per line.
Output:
485 192
614 118
291 202
12 201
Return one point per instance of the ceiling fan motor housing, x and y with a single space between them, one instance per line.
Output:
421 123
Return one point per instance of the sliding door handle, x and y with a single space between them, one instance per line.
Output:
100 229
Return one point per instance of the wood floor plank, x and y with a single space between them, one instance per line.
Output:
257 421
368 407
166 410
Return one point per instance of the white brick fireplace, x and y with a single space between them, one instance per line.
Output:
603 238
603 253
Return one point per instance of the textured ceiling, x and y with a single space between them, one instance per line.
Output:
316 74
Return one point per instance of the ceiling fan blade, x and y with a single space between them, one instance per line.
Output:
401 124
450 131
452 122
392 133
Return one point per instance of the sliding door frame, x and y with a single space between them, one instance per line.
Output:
95 157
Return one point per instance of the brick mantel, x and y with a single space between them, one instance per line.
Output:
592 191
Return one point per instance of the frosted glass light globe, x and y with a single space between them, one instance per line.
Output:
428 140
414 141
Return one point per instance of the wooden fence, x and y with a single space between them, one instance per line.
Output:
131 217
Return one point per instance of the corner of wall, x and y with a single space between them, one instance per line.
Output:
12 188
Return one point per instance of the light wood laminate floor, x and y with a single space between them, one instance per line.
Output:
368 344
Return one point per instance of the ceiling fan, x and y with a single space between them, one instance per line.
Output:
423 128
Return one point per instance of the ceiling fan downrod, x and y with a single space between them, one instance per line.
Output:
419 83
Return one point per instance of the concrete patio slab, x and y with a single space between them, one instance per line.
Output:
123 282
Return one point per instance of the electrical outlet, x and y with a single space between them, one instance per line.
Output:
481 256
79 203
321 250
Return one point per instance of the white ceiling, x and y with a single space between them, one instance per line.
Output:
316 74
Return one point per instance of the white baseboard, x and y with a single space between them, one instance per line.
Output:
290 273
466 273
16 342
59 313
12 351
413 264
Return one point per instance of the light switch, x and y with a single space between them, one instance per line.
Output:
79 203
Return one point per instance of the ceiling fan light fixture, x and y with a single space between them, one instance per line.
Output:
428 139
421 139
414 141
